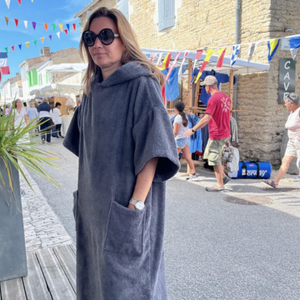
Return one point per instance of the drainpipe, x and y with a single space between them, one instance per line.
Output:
237 34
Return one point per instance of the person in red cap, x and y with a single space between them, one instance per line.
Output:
218 116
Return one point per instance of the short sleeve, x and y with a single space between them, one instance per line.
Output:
72 138
153 137
211 107
178 120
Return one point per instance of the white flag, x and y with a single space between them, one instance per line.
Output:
294 52
58 34
26 24
7 3
235 53
252 49
159 59
180 70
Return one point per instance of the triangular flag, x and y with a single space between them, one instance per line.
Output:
13 48
235 53
181 66
7 3
61 27
294 53
159 59
6 20
26 24
17 22
27 44
50 37
53 26
20 46
80 24
42 40
272 46
35 41
172 66
152 57
66 31
34 25
74 27
6 49
294 45
166 62
221 57
209 53
252 48
19 2
197 56
68 27
58 34
46 26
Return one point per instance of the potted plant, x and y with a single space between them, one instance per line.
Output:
17 150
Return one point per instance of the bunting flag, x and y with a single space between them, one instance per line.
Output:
152 57
19 2
42 40
27 44
61 27
50 37
17 22
172 66
53 26
209 53
235 53
7 3
34 25
74 26
80 24
68 27
20 46
26 24
35 41
46 26
6 20
221 57
252 49
6 49
13 48
272 46
166 62
4 67
66 31
197 56
182 63
58 34
294 45
159 59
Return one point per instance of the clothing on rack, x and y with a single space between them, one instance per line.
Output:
196 138
172 88
234 131
205 137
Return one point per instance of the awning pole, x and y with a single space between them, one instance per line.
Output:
231 87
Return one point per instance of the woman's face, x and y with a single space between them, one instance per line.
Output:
106 56
19 104
288 105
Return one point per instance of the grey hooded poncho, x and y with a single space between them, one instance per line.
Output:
115 131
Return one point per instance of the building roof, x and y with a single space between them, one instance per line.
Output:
12 80
86 8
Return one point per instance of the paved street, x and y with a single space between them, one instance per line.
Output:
214 249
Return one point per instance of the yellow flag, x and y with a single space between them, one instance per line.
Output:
61 27
6 20
209 53
27 44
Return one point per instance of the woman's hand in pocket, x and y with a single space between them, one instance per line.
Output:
131 206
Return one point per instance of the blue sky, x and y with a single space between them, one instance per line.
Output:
40 11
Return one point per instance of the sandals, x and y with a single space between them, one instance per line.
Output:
271 183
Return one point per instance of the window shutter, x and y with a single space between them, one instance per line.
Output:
123 8
166 14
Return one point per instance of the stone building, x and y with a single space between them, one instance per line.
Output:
11 89
198 24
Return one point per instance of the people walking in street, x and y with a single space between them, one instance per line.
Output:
21 119
46 121
57 119
218 116
32 113
183 143
122 135
292 104
7 109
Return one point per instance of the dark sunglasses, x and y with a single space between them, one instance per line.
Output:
106 37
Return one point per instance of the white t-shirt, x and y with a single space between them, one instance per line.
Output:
182 129
56 116
293 124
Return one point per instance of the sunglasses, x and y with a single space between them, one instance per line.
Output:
106 37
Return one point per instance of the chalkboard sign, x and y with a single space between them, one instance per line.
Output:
286 78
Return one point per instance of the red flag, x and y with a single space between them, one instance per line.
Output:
152 57
17 22
74 27
166 62
19 2
221 57
13 48
66 31
173 65
198 54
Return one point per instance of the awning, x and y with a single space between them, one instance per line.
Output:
67 68
241 66
58 88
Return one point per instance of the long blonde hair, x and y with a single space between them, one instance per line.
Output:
127 35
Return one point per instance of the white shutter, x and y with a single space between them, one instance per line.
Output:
166 14
123 7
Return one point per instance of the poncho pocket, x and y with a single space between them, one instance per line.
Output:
75 205
125 232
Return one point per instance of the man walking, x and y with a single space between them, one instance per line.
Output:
218 116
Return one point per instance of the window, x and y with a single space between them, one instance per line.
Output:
40 80
166 14
123 8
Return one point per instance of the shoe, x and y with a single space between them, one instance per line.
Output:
43 141
192 177
270 183
226 179
62 137
296 177
215 189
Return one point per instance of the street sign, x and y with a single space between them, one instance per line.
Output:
286 78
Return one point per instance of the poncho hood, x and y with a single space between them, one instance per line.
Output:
127 72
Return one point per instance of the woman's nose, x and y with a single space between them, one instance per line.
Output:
98 42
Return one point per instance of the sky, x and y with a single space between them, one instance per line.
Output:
39 11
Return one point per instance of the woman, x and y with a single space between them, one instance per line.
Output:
21 119
183 143
57 119
292 104
122 135
45 120
32 112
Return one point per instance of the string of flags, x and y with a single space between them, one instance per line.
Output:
45 25
8 2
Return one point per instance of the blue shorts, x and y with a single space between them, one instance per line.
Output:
181 143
